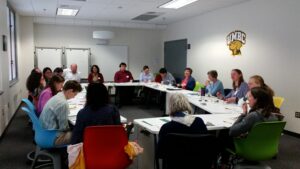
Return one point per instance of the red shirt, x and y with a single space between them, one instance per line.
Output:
184 82
123 76
158 78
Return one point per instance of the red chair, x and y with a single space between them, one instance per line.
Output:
103 147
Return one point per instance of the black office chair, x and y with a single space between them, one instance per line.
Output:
190 151
227 91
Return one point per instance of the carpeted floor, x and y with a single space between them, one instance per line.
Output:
17 141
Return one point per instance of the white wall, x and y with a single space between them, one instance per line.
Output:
272 48
10 100
144 45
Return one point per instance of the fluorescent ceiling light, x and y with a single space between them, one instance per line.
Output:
175 4
67 12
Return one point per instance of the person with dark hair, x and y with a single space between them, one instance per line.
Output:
167 78
188 81
146 75
95 76
97 111
54 86
123 75
35 83
261 109
58 71
56 110
125 93
240 87
47 73
213 85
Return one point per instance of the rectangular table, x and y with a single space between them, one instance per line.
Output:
77 103
152 126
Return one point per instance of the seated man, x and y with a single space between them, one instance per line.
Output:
72 73
167 78
123 75
125 92
56 110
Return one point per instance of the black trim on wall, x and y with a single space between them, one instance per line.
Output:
291 133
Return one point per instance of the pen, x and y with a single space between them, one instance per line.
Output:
148 123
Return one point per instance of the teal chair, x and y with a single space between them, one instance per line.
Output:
44 140
261 142
29 105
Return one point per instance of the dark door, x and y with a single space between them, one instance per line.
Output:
175 53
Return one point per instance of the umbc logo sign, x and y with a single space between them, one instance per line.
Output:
235 40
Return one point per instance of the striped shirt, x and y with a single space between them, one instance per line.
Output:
55 113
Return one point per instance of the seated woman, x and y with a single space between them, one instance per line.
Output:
240 88
95 76
35 83
188 81
213 85
54 86
47 73
256 81
181 121
262 109
97 111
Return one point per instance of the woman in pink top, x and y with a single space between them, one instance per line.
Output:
54 86
188 81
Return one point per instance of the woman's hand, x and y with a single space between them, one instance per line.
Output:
206 83
230 100
219 95
245 108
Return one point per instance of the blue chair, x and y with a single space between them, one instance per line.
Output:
29 105
44 140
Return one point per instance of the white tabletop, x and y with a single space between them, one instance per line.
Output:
77 103
212 121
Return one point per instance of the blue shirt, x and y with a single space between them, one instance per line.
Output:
169 79
239 92
146 77
55 113
215 87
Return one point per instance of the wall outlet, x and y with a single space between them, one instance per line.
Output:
297 114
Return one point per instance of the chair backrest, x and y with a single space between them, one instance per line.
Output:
43 138
103 147
29 104
190 151
197 86
278 101
261 142
227 91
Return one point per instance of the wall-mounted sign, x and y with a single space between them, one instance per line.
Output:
235 40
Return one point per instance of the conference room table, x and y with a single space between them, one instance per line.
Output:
77 103
208 104
147 130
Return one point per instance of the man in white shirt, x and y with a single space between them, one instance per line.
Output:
72 73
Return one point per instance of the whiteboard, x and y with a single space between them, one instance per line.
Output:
48 57
81 57
108 58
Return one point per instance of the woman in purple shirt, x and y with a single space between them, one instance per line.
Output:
54 86
240 87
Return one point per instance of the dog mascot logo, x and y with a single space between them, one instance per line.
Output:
235 40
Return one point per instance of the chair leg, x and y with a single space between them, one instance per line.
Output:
55 157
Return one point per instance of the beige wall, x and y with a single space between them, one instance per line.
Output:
144 46
272 48
10 100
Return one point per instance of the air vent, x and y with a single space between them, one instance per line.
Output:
147 16
79 0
